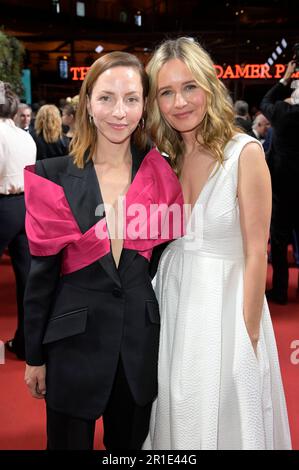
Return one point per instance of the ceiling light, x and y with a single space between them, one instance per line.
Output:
99 49
80 9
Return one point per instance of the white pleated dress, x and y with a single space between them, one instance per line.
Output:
214 393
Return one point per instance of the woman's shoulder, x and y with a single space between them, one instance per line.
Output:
51 168
236 144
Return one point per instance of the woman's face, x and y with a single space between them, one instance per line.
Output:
67 119
116 103
182 102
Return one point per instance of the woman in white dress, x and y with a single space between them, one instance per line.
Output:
219 379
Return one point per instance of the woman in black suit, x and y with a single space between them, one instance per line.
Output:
91 316
49 138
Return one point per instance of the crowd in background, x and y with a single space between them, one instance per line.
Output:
50 126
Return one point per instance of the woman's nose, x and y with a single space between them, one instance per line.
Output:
179 100
119 110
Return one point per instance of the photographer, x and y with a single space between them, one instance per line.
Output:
281 107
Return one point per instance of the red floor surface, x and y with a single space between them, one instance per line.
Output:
23 418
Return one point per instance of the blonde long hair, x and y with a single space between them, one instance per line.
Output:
85 134
217 127
48 123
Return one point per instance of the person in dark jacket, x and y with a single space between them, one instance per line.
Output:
281 106
50 140
23 118
91 316
242 118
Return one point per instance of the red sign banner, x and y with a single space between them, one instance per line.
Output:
233 72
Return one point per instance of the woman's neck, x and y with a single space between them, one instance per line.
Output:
113 154
192 141
71 131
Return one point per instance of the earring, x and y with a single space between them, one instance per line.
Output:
142 123
90 119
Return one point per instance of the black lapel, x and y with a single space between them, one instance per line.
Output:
137 157
108 264
83 194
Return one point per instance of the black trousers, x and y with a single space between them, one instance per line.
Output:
125 423
283 222
13 237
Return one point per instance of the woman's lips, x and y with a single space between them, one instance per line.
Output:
118 127
182 115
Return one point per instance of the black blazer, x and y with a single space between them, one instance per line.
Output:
82 323
283 156
49 150
244 124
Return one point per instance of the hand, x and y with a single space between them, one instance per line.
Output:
254 343
35 379
290 70
254 336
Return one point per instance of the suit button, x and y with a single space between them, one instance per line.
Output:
117 292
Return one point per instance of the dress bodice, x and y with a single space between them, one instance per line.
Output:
214 227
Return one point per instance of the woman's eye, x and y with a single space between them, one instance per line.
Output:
166 93
104 98
133 99
190 87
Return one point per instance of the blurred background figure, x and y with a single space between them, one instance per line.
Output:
281 106
50 140
260 127
242 118
23 118
17 149
69 116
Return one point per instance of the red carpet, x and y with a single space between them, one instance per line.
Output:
23 419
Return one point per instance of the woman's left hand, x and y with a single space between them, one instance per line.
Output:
254 343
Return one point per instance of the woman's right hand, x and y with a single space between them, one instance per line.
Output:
35 379
290 69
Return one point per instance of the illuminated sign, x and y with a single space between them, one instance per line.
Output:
248 71
79 72
252 71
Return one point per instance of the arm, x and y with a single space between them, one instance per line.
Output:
41 285
278 92
40 288
254 193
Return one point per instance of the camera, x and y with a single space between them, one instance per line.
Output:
296 55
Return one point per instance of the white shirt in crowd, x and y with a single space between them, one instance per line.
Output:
17 150
257 135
